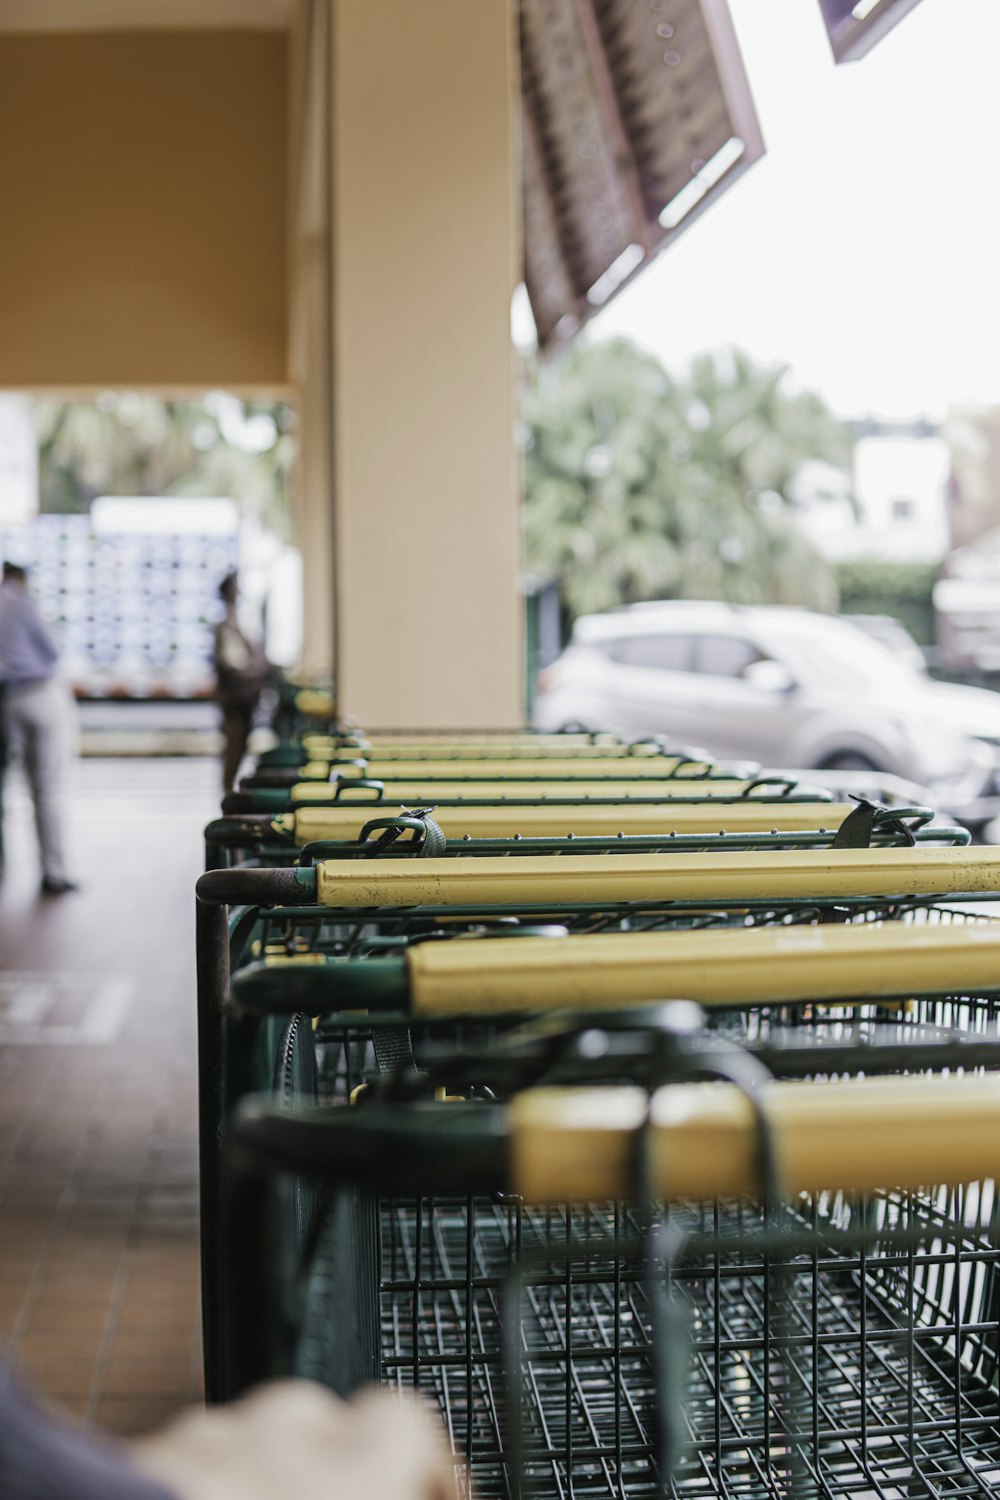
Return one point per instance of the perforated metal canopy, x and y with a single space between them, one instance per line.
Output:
636 116
854 26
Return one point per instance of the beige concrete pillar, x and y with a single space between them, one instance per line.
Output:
426 543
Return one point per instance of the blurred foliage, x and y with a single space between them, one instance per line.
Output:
130 444
903 590
642 485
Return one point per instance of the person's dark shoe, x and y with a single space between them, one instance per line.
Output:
52 886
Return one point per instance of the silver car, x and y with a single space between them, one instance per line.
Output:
779 685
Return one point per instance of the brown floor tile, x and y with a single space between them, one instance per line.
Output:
71 1409
54 1343
152 1259
27 1225
129 1416
58 1377
75 1291
152 1343
99 1274
14 1287
167 1313
19 1194
55 1297
10 1314
69 1317
155 1257
26 1244
76 1274
98 1146
181 1288
153 1377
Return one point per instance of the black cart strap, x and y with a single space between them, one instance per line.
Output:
855 832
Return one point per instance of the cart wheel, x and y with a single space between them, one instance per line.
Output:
340 1345
295 1085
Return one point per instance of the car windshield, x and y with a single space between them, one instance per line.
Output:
836 654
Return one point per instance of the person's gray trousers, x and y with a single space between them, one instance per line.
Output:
38 723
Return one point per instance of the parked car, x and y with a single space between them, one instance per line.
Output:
893 634
783 686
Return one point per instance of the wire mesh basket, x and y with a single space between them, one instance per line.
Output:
824 1344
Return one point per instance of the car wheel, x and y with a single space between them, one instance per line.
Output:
848 760
978 829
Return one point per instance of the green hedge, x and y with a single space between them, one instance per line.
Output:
904 590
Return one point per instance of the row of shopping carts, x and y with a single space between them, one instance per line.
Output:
641 1112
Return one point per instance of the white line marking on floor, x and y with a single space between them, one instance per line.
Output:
28 998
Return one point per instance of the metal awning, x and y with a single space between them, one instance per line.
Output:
636 115
854 26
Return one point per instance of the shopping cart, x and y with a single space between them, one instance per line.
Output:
378 1011
510 1255
240 837
346 825
743 1289
306 836
388 935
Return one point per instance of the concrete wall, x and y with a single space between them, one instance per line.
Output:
310 325
143 198
425 483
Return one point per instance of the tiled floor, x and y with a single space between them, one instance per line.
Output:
98 1126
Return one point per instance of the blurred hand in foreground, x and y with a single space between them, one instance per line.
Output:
293 1440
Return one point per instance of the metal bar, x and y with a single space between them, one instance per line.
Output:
246 831
212 954
216 890
252 887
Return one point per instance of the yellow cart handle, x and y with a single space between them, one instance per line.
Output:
859 1135
568 790
326 747
722 968
317 703
521 768
767 875
309 824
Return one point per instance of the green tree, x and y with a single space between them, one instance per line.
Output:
640 485
129 444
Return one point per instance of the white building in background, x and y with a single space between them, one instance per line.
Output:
18 462
899 511
132 589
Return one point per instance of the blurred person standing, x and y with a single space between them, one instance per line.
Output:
241 670
3 767
36 717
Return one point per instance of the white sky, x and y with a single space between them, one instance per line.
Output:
864 249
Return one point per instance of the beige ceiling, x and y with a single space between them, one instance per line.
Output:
141 15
